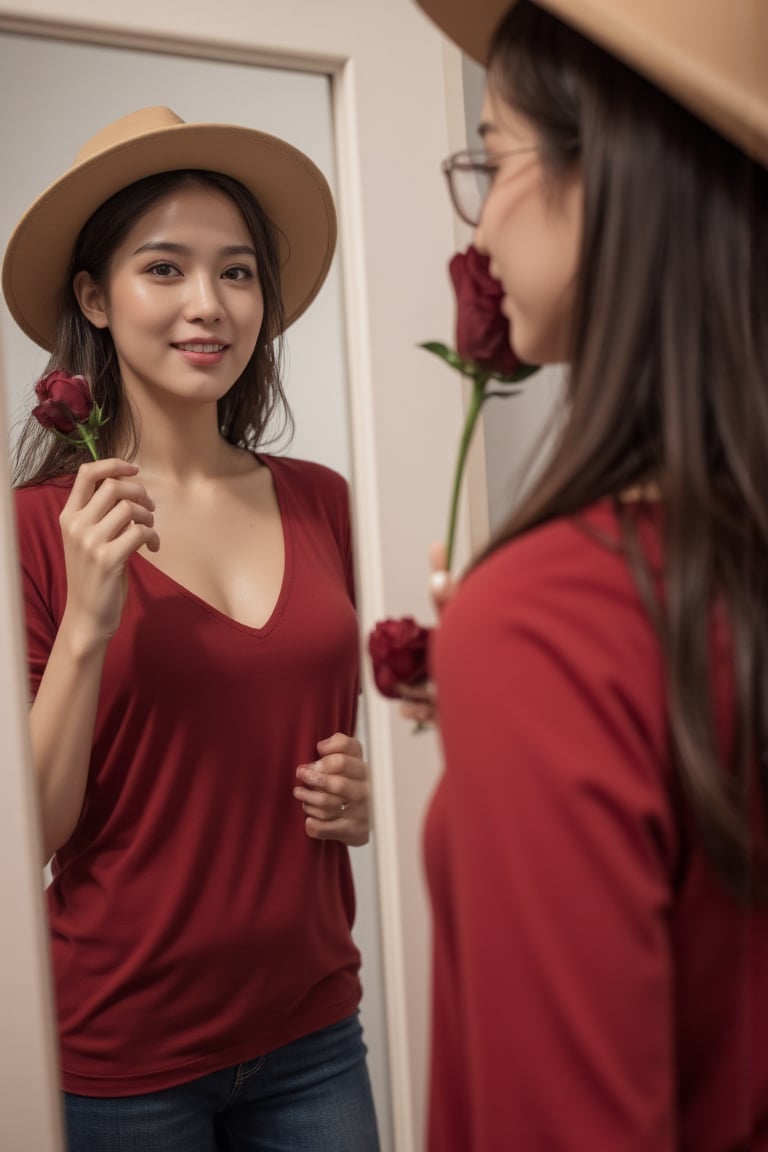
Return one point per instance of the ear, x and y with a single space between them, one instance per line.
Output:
91 299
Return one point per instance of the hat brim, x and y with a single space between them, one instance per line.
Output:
291 190
713 59
471 27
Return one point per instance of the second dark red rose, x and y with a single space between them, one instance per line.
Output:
482 329
398 651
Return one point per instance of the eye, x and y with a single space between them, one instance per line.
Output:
485 174
163 270
238 272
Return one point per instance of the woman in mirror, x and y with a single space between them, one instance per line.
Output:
596 848
193 650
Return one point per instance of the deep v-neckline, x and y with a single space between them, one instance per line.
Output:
282 595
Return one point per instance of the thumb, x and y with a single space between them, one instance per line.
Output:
441 584
438 556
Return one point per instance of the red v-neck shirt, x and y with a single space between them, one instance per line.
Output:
194 924
595 988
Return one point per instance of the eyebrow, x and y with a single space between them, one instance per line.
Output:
184 250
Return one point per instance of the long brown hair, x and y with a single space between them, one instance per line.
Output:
254 400
668 382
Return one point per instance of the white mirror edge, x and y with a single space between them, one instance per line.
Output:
29 1103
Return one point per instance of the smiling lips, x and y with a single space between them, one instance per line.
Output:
199 347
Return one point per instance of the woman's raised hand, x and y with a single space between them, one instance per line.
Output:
441 584
107 517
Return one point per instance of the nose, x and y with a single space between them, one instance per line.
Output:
203 300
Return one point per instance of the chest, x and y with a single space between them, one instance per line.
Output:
226 547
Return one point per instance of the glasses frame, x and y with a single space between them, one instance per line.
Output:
475 160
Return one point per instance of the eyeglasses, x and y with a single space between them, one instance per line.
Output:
470 176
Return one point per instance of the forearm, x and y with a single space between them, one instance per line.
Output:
62 720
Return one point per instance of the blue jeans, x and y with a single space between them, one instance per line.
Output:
313 1094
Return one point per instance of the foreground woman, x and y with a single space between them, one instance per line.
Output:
596 848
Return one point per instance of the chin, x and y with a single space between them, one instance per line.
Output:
533 349
527 351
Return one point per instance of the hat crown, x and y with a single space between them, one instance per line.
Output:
709 55
127 128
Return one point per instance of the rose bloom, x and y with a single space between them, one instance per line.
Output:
65 402
482 329
398 651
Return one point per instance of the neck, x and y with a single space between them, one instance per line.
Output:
182 443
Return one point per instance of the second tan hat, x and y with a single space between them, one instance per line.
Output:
710 55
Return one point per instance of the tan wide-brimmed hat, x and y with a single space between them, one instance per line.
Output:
291 190
710 55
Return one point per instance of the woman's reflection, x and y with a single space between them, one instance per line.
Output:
193 651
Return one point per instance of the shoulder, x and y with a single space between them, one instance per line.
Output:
48 494
565 589
312 483
38 506
570 563
305 472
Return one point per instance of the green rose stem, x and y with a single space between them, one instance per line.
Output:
479 375
477 399
86 437
89 441
88 432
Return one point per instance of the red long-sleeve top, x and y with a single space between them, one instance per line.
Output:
596 989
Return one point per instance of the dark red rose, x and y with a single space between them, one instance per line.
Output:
398 651
65 401
482 329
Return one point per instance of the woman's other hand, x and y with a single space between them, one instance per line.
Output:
334 792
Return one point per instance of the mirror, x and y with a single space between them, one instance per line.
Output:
42 125
391 130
